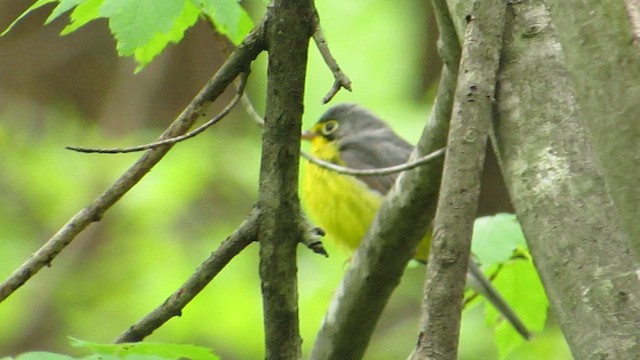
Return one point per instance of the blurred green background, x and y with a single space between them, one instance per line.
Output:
73 90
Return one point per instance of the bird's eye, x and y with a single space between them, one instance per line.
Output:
329 127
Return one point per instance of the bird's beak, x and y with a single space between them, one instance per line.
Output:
308 135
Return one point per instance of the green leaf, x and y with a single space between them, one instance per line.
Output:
495 238
148 351
519 284
63 7
134 23
40 355
146 53
228 17
38 4
82 14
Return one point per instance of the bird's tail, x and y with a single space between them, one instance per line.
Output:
480 284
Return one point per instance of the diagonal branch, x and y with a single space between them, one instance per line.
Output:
341 79
458 199
379 262
173 305
173 140
237 63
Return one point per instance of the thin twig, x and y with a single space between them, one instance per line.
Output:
633 11
248 106
341 79
173 305
374 172
237 63
251 110
173 140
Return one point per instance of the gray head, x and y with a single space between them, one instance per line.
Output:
348 120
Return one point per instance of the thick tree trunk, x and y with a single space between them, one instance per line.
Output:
573 228
604 65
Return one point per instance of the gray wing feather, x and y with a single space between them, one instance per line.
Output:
373 151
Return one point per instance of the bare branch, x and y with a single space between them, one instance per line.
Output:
288 33
633 11
173 305
237 63
390 243
341 79
378 263
177 139
458 200
374 172
343 169
251 110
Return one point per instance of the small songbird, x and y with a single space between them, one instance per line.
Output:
345 205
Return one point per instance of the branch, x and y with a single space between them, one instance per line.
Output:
458 200
343 169
237 63
378 263
341 79
633 12
173 305
604 64
288 32
556 183
374 172
177 139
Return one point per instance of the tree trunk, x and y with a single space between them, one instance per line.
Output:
604 66
574 232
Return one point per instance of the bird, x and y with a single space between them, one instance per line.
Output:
344 206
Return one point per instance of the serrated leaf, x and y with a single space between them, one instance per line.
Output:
149 351
135 22
63 7
228 17
187 18
82 14
38 4
495 238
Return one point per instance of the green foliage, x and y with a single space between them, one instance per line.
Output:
126 351
229 18
143 28
39 355
145 350
145 247
499 244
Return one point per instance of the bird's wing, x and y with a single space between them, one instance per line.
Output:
374 152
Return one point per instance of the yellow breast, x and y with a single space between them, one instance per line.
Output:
340 204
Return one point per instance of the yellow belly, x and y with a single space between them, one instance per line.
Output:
344 207
341 205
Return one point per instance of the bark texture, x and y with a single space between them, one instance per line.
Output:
378 264
604 65
572 226
289 26
458 200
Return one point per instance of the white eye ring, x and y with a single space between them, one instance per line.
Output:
329 127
